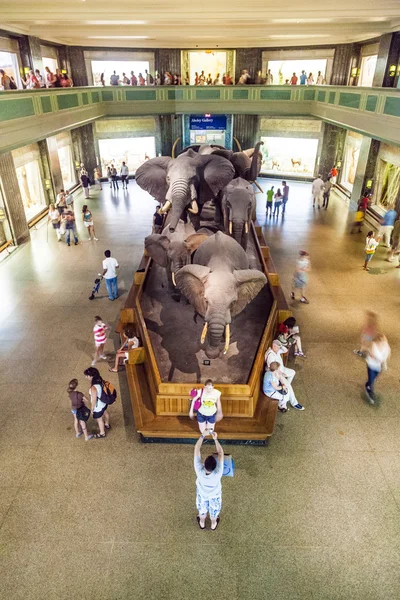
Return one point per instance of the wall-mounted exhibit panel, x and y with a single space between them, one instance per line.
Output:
387 178
28 168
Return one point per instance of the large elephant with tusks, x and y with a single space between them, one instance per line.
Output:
219 284
185 182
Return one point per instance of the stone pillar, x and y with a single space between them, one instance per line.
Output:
332 147
24 52
382 62
341 64
62 53
76 59
358 187
170 130
36 53
13 199
250 59
84 147
167 59
245 130
51 164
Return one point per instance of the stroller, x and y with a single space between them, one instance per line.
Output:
96 286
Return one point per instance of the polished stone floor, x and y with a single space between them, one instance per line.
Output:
314 515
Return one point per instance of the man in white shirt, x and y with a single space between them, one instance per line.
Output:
274 354
124 176
208 483
317 190
110 266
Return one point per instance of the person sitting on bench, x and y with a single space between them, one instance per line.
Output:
130 342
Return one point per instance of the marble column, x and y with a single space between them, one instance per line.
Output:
36 53
84 147
358 186
250 59
341 64
13 199
245 130
51 165
167 59
170 130
76 60
332 147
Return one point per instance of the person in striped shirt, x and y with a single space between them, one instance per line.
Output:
100 330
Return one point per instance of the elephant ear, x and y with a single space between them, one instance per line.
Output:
193 241
191 280
157 246
217 172
250 154
250 282
152 177
242 163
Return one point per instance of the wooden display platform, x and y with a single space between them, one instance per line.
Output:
160 408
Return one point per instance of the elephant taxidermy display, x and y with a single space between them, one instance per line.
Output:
238 205
247 163
172 250
185 182
219 284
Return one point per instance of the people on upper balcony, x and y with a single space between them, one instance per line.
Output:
149 77
202 78
320 78
133 78
303 78
114 79
227 79
217 80
102 82
310 79
51 78
270 78
158 78
125 79
65 80
167 78
31 81
196 78
244 79
59 75
40 78
294 79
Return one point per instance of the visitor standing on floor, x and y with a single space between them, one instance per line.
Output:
55 218
100 330
300 276
277 202
274 354
327 192
110 266
377 356
114 177
99 408
208 483
78 409
395 249
87 219
70 226
317 190
158 221
371 244
270 200
84 177
210 409
285 195
97 177
124 176
61 202
387 224
368 332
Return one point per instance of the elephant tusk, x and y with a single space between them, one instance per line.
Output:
166 206
173 278
246 227
204 333
194 208
227 338
230 227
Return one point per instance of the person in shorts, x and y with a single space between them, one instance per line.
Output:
208 483
371 244
55 218
289 336
130 342
124 175
300 277
395 243
99 408
100 330
78 401
358 220
87 219
270 201
210 410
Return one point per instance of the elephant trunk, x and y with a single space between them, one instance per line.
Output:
237 231
254 162
216 328
179 195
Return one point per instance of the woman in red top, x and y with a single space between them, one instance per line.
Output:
289 336
142 80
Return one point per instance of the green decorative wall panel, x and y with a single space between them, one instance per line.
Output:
140 95
95 97
349 100
331 97
240 94
66 101
372 101
46 104
207 94
321 96
392 107
175 95
309 95
15 109
85 99
107 96
275 94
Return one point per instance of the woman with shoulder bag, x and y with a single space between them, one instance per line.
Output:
55 218
99 408
209 409
79 410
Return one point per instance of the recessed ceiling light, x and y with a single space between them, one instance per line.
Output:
114 22
118 37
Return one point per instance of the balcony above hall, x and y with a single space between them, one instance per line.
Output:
31 115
